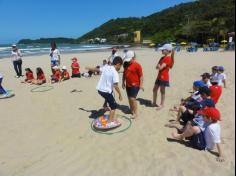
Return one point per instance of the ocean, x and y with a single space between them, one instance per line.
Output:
40 49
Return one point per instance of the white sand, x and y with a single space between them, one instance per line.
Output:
45 134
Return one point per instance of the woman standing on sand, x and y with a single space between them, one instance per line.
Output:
55 55
17 60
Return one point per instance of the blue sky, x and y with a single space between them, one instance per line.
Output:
68 18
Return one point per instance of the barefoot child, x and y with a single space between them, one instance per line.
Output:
75 68
29 75
162 81
109 79
65 74
207 138
41 79
56 77
132 80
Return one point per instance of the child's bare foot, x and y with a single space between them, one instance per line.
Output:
134 116
170 125
177 136
154 105
160 107
175 109
106 108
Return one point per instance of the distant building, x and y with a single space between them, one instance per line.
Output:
137 37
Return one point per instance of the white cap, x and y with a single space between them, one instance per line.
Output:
129 56
64 67
167 47
55 67
13 45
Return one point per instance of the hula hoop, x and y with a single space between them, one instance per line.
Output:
111 133
41 89
10 95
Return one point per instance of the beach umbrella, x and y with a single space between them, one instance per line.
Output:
183 43
224 41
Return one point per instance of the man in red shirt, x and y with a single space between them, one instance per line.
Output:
132 80
162 81
216 90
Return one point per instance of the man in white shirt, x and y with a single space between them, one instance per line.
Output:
17 60
109 79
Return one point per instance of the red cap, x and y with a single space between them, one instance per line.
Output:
211 113
74 58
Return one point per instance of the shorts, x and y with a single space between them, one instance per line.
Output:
76 75
54 63
109 99
197 141
186 116
132 92
162 83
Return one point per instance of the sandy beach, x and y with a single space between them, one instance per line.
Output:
49 133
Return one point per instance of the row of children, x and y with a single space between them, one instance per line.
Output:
197 116
57 74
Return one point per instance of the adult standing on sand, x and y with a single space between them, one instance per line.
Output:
17 60
162 81
113 55
55 55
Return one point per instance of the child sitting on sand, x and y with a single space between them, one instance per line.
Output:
75 68
65 74
41 79
222 76
216 90
204 139
189 102
206 79
29 75
56 77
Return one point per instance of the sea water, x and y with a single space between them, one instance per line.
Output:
40 49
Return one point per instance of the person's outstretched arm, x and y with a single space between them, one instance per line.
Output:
93 69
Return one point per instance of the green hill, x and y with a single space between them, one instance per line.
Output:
195 21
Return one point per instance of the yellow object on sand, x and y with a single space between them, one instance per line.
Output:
183 43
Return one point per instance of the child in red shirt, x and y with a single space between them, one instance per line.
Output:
216 90
75 68
65 75
29 75
56 77
132 80
41 79
162 81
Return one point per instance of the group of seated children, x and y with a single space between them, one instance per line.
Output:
197 115
40 79
57 74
